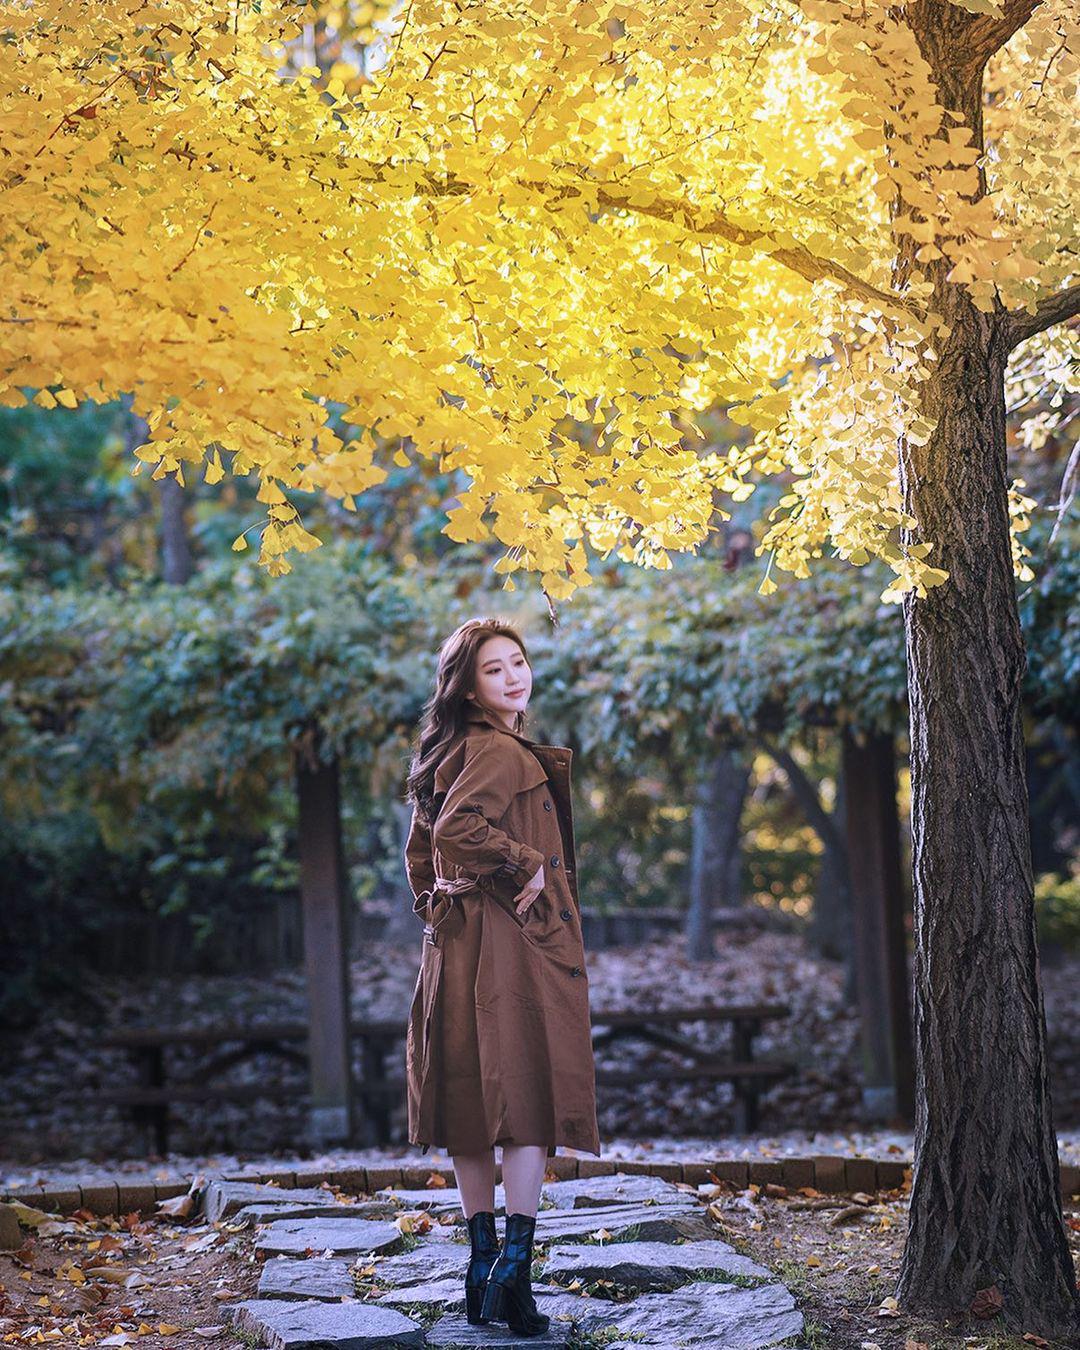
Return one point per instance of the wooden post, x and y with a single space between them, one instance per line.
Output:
873 836
323 894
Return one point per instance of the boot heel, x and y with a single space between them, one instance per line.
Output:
474 1301
494 1305
522 1320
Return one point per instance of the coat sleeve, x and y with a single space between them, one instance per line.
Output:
419 864
465 830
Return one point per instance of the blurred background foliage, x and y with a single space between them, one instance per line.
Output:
154 686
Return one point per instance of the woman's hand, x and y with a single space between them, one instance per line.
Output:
530 890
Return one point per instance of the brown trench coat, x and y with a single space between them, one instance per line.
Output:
499 1043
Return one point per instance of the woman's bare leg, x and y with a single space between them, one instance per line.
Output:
523 1167
475 1174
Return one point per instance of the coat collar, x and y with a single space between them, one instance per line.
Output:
475 714
556 756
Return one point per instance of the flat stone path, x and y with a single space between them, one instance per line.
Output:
632 1256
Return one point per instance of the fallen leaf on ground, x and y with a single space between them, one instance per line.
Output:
987 1302
112 1274
178 1207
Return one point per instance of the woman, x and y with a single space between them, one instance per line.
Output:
499 1045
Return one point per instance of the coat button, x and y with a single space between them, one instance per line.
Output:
547 805
564 914
575 970
554 860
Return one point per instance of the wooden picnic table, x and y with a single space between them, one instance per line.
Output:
381 1085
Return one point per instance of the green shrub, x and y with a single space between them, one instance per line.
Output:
1057 909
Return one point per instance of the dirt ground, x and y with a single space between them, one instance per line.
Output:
156 1281
162 1280
840 1256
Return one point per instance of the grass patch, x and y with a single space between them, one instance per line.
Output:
724 1277
427 1314
599 1337
251 1339
813 1336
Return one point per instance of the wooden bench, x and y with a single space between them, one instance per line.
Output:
225 1046
381 1087
748 1076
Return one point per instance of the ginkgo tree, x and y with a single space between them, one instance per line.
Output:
536 241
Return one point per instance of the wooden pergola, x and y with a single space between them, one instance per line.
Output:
877 890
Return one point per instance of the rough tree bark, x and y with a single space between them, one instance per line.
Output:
985 1210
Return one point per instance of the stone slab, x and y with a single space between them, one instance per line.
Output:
439 1199
449 1293
573 1194
455 1330
702 1314
280 1325
647 1265
425 1264
341 1237
617 1189
222 1198
287 1209
655 1223
319 1278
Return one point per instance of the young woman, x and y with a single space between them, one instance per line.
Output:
499 1045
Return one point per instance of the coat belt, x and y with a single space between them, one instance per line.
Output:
445 886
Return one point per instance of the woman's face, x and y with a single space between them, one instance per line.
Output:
503 678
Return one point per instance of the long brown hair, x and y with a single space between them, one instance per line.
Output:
444 714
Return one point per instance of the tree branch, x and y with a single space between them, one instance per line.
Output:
1051 309
987 34
820 821
952 37
797 258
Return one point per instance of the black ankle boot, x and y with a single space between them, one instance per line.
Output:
509 1295
485 1248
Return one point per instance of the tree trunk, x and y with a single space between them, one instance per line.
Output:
985 1222
715 856
176 564
830 923
985 1203
176 561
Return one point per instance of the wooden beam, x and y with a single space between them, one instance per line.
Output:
323 894
873 839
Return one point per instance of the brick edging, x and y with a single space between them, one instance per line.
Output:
825 1172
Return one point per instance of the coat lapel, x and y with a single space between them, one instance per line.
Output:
556 762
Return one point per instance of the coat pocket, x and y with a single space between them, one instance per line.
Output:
502 894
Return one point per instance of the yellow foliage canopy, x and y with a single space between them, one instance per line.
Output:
534 244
